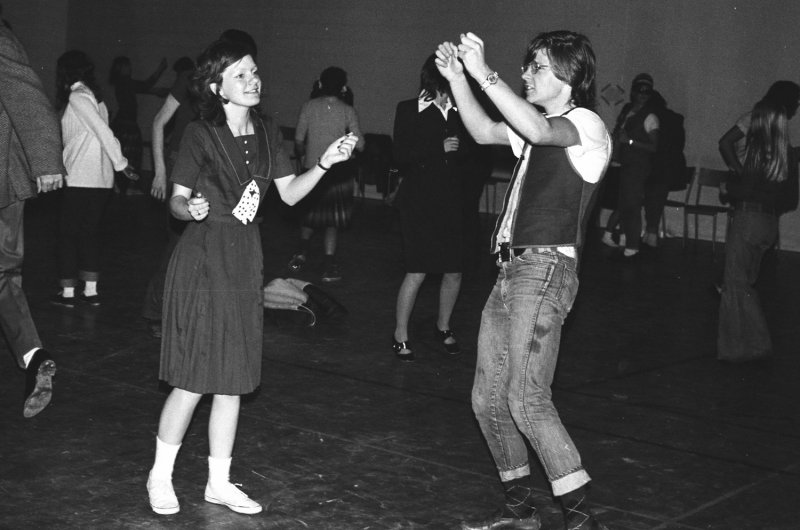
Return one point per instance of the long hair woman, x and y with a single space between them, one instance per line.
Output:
765 188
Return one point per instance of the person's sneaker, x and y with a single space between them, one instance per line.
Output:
608 240
296 263
92 300
63 301
38 383
229 495
162 496
331 273
500 520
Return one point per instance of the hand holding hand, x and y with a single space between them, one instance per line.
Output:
339 151
451 144
447 61
198 206
47 183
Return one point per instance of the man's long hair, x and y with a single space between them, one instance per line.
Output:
572 61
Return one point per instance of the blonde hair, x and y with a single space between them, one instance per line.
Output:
767 154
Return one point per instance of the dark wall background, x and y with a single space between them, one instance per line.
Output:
712 60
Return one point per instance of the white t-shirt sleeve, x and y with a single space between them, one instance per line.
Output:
591 156
651 123
517 142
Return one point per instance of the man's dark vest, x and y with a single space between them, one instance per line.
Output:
553 203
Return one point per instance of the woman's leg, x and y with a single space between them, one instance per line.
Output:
222 425
221 436
448 294
611 226
330 241
175 417
406 298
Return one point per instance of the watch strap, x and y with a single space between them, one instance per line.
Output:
491 79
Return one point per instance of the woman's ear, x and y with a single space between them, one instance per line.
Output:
216 89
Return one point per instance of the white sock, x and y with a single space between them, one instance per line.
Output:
90 289
631 252
165 459
68 292
219 470
28 356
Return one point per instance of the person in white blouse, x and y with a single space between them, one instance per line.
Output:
91 155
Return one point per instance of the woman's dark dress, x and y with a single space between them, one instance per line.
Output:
430 197
213 314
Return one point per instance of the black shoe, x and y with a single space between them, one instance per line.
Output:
93 300
621 257
499 520
60 299
38 383
322 303
398 348
331 273
576 512
452 348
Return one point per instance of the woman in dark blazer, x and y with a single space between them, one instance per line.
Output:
433 151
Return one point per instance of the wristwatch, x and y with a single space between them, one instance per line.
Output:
491 79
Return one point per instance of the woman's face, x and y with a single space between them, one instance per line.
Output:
641 94
241 84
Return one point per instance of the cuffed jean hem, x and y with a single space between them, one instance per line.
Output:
511 474
571 482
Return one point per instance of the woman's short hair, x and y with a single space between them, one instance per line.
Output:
572 61
332 81
218 56
431 81
71 67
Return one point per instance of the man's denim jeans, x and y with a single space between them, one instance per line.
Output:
517 354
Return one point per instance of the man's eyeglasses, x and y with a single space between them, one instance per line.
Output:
534 66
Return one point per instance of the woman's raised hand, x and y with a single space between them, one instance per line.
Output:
339 151
447 61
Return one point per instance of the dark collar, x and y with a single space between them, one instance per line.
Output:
234 156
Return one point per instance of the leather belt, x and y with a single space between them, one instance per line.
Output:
508 253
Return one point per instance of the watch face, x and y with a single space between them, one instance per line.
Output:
493 77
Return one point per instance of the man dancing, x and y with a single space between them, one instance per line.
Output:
563 154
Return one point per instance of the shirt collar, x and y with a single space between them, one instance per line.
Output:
422 105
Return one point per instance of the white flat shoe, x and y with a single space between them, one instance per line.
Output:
162 496
229 495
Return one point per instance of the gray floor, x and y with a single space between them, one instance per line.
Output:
342 436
